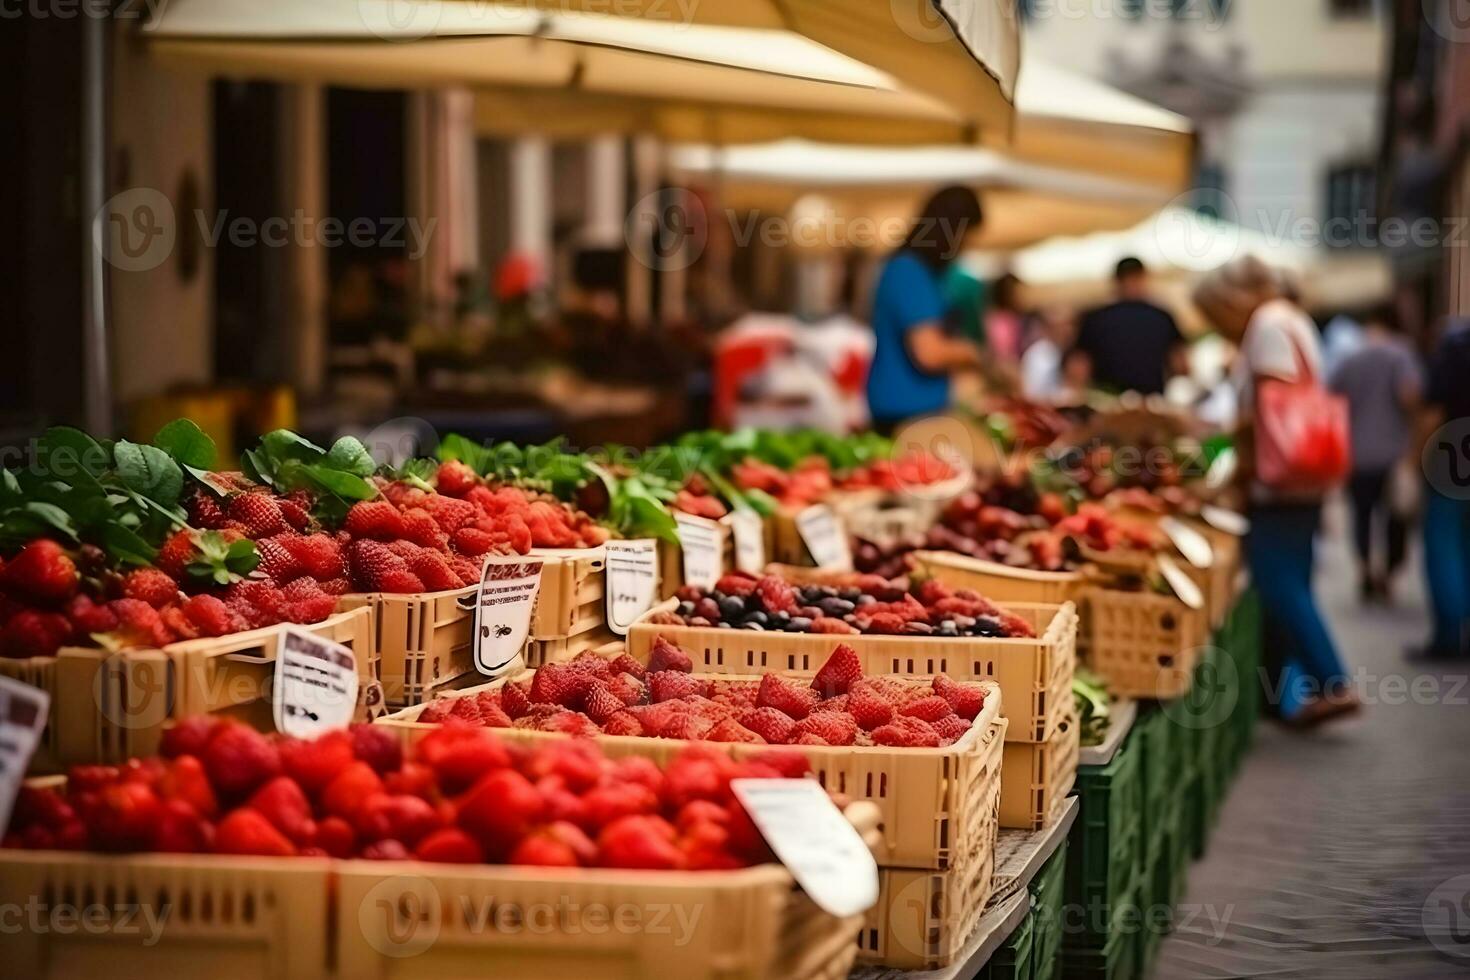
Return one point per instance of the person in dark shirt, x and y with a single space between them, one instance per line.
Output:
1133 344
1447 497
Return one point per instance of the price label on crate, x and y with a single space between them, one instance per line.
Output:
503 608
823 852
1195 547
315 687
1225 520
632 581
825 536
23 712
750 541
1179 581
703 545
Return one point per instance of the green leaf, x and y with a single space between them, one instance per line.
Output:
149 471
285 444
241 558
350 455
125 546
53 517
71 456
187 443
258 467
342 484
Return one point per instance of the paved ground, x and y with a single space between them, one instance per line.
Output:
1331 843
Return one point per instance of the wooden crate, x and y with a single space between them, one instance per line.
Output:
571 599
1146 645
671 560
927 797
108 707
1034 673
1035 778
1000 583
924 917
314 919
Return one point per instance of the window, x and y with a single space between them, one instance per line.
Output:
1349 214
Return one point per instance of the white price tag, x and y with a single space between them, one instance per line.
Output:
1222 470
23 712
703 546
823 852
750 541
1184 587
1225 520
825 535
1195 547
315 685
632 581
503 608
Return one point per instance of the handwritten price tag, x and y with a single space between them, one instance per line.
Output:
750 541
503 608
315 684
825 536
703 546
1195 547
823 852
23 712
1183 586
632 581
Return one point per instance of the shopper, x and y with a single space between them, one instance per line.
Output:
1133 344
915 357
1381 381
1447 496
1052 371
1004 320
1279 342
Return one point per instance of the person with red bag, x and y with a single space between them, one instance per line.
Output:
1294 446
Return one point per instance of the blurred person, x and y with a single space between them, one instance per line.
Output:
1134 344
1447 518
1278 342
914 358
1004 321
1382 384
1043 378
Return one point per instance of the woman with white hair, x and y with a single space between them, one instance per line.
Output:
1247 302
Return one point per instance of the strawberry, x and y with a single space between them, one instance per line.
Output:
669 685
473 542
277 562
499 809
374 519
560 684
736 583
951 728
492 715
247 832
834 627
434 571
808 738
315 763
698 773
370 563
41 572
204 511
776 692
455 479
557 845
839 672
786 763
450 512
776 594
705 845
175 554
450 845
744 837
624 663
185 779
210 616
967 700
345 793
730 730
460 755
385 850
138 624
568 723
414 779
319 555
622 723
258 511
769 723
180 830
832 727
296 509
907 732
689 728
335 836
590 662
123 817
601 703
515 699
88 617
188 736
239 759
868 708
282 802
614 800
420 527
665 655
628 689
645 842
930 709
401 818
578 764
31 633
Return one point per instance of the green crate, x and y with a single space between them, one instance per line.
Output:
1013 961
1048 898
1118 960
1153 733
1105 851
1197 820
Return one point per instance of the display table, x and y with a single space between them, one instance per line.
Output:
1124 713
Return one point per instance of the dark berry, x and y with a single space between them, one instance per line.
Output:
732 607
751 624
686 608
835 608
707 608
918 628
758 618
863 599
799 624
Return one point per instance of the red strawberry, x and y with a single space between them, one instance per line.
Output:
499 809
42 572
371 564
689 728
450 845
579 765
951 728
868 708
776 594
639 842
628 689
967 700
515 699
769 723
601 703
30 633
455 479
617 799
295 511
835 627
204 511
401 818
568 723
259 512
385 850
556 845
315 763
335 836
318 555
907 732
670 685
178 624
239 759
247 832
180 830
176 553
622 723
282 802
420 527
377 746
185 779
277 562
624 663
736 583
832 727
930 709
434 571
374 519
560 684
188 736
665 655
776 692
730 730
698 773
473 542
210 616
123 817
138 624
839 672
88 617
460 755
345 793
451 513
1015 626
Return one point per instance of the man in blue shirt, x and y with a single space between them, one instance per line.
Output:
914 356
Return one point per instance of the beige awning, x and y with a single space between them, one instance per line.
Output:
716 70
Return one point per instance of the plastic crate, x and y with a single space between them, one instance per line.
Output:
932 801
1146 645
1036 777
671 558
1000 583
1118 960
923 918
1034 673
1048 894
1016 958
1105 849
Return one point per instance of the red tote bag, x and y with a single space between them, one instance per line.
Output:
1303 433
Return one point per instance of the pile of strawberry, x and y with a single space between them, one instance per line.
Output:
663 699
462 796
913 469
844 604
407 540
808 483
